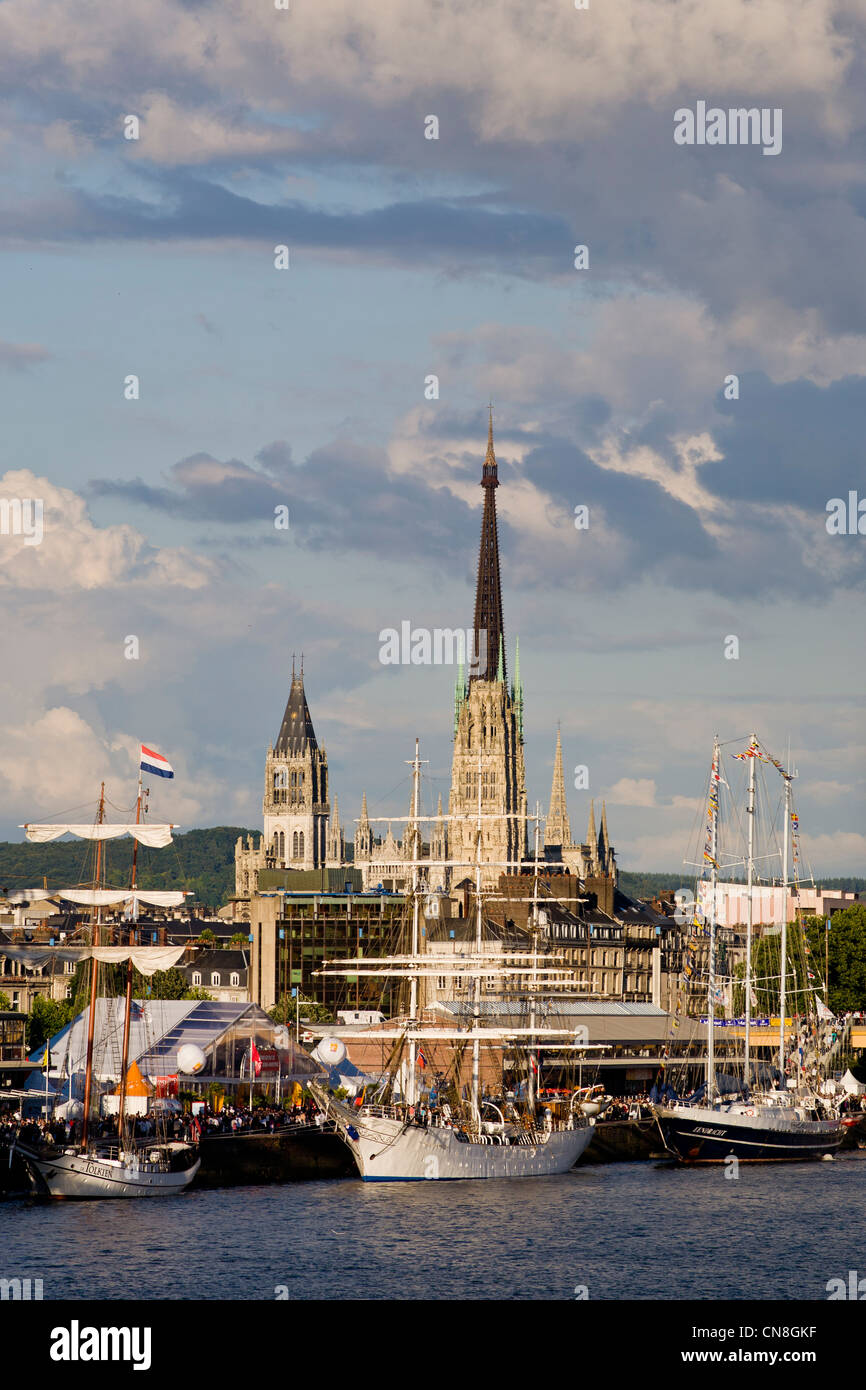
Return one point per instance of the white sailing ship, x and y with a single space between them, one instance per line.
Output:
124 1167
406 1141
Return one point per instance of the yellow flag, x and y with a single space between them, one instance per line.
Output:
46 1060
297 1093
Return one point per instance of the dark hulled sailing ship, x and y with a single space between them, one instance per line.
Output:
744 1117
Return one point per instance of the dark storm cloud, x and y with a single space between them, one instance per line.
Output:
791 442
200 210
203 489
347 499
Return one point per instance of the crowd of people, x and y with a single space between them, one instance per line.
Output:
186 1128
237 1119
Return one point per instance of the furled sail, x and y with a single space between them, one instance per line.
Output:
100 897
34 957
146 959
93 897
154 836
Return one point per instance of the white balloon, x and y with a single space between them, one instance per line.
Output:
190 1059
331 1051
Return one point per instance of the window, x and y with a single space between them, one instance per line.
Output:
235 978
196 977
295 845
215 977
301 841
69 967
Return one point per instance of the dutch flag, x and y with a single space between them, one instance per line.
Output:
155 763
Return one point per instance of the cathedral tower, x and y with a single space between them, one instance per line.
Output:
488 724
295 806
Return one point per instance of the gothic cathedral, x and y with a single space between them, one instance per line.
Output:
487 774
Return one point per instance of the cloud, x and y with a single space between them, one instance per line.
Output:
55 759
652 512
202 488
633 791
76 554
17 357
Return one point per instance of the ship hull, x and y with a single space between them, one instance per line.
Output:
76 1175
294 1154
697 1135
387 1150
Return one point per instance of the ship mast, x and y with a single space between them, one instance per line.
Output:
714 875
411 1088
750 811
476 987
788 775
127 1013
95 916
533 1055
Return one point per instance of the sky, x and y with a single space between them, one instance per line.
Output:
308 388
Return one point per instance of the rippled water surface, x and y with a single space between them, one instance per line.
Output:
635 1230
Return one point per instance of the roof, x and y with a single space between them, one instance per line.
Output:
296 731
607 1021
216 959
495 1008
157 1029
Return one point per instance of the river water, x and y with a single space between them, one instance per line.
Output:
630 1230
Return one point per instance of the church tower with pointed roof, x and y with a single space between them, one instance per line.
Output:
488 723
296 807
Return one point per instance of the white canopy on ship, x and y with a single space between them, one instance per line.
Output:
146 959
154 836
102 897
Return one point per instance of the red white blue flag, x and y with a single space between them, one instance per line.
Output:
154 762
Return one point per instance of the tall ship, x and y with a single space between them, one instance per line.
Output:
747 1108
451 1131
121 1165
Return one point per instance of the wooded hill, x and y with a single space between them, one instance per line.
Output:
203 861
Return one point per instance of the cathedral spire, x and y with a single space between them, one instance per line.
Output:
603 843
591 834
488 594
557 830
297 734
